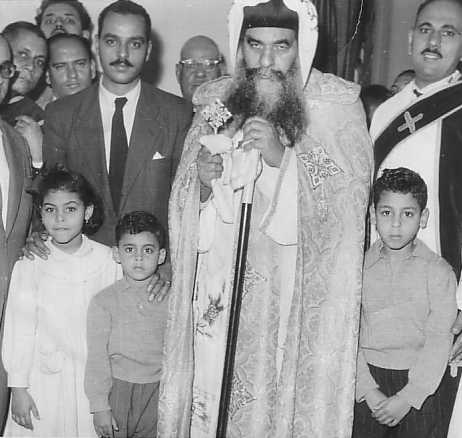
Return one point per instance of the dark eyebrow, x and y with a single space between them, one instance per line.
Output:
50 14
253 40
283 41
110 35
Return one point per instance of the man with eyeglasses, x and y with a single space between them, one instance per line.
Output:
200 62
15 203
29 48
421 128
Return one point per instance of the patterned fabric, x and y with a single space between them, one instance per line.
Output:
314 393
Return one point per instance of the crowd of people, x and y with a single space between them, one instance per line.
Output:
121 223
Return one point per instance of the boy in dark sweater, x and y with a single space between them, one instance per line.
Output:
125 335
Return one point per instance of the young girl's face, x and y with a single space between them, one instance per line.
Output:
63 215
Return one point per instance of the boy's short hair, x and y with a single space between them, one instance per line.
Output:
401 180
136 222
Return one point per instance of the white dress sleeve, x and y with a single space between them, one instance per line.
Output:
20 324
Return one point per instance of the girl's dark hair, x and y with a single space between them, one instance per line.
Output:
59 178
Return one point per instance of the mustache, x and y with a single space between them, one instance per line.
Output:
432 51
267 73
124 62
58 29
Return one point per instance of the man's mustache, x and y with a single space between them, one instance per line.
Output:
268 73
432 51
58 29
124 62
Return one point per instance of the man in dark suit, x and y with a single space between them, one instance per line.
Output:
15 204
128 154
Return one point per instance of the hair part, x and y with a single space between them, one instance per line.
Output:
58 178
83 14
13 29
125 7
401 180
137 222
61 37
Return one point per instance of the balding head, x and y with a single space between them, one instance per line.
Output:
5 57
200 61
200 46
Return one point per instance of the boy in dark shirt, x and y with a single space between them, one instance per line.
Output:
125 335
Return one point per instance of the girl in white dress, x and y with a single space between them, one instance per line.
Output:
44 346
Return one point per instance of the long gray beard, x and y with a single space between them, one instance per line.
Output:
286 111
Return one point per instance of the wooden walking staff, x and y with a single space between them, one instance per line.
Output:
217 115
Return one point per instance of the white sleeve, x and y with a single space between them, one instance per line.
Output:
281 186
20 324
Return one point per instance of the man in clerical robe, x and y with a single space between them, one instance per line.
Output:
421 128
302 136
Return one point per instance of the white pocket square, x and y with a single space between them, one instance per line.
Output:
157 156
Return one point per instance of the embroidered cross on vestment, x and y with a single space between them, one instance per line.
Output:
409 122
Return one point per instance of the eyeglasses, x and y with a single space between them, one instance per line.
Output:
7 70
206 64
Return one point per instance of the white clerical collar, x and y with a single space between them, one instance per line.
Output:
107 97
454 77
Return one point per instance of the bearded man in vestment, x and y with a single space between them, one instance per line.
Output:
302 136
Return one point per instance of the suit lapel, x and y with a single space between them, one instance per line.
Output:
17 173
90 139
146 139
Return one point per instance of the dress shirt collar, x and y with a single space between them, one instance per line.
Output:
454 77
107 98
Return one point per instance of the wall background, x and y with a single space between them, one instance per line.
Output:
173 22
393 19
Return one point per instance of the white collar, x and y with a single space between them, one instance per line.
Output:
108 98
454 77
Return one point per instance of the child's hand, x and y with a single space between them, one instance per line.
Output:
22 404
391 411
104 424
374 397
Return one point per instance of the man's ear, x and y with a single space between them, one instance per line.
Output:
178 72
424 218
410 39
148 52
115 254
162 256
92 68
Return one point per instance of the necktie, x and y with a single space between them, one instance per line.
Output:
118 154
417 92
